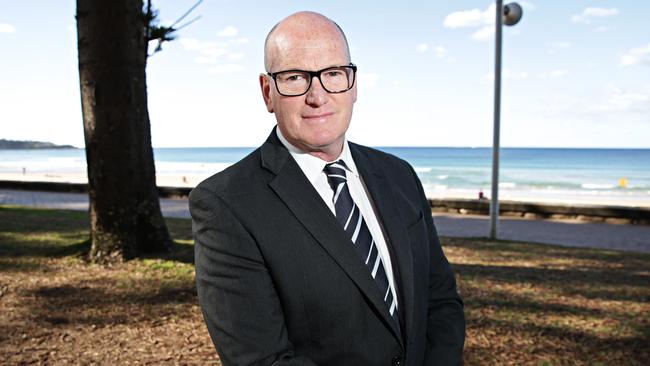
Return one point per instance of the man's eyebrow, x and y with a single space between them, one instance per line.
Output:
321 69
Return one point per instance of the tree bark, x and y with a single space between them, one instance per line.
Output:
125 215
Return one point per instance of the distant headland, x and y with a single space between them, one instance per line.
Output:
19 145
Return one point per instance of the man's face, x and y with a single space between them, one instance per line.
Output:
316 121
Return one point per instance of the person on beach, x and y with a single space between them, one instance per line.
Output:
313 250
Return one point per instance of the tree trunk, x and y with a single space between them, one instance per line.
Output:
124 209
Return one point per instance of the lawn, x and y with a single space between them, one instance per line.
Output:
526 304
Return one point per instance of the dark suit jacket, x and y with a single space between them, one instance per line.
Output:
280 283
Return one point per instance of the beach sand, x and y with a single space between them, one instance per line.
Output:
161 180
190 181
573 200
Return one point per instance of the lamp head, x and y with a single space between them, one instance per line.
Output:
512 13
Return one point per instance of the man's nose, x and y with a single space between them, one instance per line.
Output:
316 95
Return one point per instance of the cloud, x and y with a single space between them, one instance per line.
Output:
555 47
205 60
619 104
235 56
554 74
601 29
620 100
229 31
589 13
638 55
475 18
528 6
441 52
422 47
210 52
205 47
225 69
484 34
470 18
7 28
242 40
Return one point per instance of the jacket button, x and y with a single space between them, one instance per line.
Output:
396 361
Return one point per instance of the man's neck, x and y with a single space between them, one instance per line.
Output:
328 156
328 153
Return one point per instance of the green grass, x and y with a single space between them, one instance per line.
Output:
526 304
27 234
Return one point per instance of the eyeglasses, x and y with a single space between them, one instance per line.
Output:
292 83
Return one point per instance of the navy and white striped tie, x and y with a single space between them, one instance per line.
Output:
350 217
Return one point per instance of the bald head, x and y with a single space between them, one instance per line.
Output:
301 30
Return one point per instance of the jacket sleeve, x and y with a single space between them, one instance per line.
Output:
446 319
236 293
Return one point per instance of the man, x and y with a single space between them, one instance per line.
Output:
313 250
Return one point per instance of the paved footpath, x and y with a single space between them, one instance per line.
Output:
568 233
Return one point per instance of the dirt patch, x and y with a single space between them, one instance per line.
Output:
75 313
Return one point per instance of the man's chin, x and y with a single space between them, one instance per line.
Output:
329 146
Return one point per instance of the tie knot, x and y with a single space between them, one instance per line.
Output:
336 172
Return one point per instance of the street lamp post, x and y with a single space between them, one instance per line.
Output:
508 15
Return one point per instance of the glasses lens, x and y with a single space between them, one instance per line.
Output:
292 82
337 79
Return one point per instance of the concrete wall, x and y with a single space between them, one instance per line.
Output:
609 214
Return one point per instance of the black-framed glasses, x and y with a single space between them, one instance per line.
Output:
336 79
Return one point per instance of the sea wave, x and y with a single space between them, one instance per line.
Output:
56 165
164 167
597 186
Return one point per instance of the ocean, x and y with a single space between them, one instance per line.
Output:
610 176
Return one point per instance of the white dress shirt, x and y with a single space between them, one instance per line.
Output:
313 167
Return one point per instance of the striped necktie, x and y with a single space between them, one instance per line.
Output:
350 217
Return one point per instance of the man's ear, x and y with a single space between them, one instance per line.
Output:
265 86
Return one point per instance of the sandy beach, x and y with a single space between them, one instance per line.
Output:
190 181
162 180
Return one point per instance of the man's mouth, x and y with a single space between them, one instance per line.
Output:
313 117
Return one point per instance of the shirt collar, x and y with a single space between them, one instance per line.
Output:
313 166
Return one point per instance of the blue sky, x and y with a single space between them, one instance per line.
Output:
576 73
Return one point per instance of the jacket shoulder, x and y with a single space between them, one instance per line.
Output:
381 157
233 179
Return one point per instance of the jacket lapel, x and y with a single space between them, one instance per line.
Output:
384 199
293 188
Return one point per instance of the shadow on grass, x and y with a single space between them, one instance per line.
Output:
22 248
587 283
591 273
31 233
545 304
40 233
107 302
506 248
179 229
180 252
21 255
39 220
561 345
522 308
13 265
